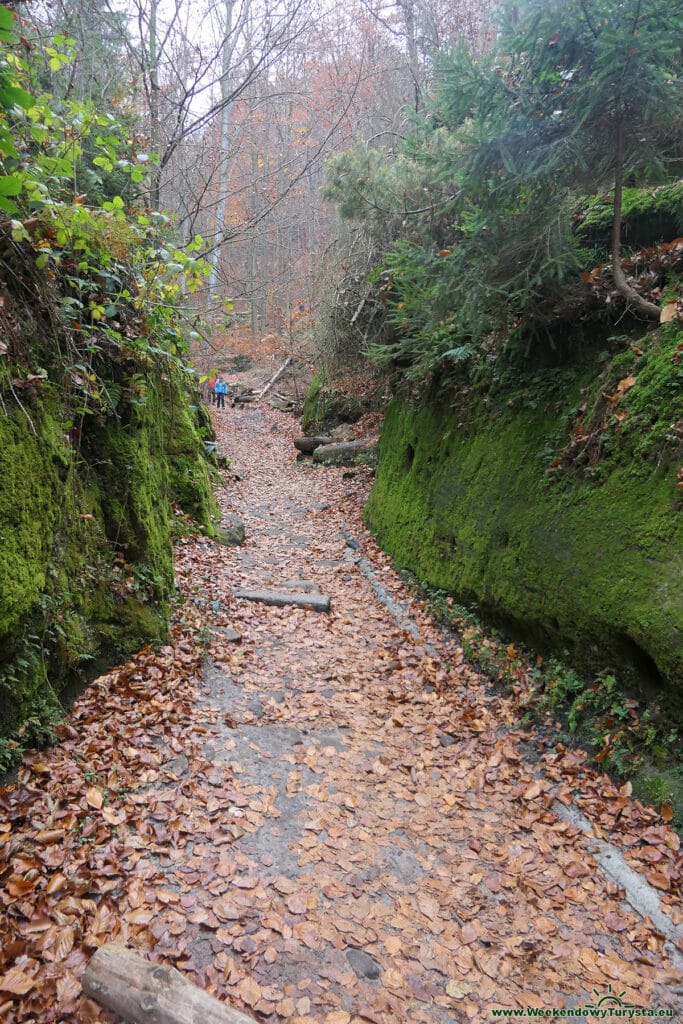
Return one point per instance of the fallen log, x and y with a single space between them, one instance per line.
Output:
276 376
344 453
141 992
309 444
318 602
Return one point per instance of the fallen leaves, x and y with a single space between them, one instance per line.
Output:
458 989
338 1017
362 836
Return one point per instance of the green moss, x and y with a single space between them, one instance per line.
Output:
85 537
187 426
649 215
27 517
326 407
586 561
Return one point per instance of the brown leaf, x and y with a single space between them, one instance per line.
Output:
458 989
297 903
225 910
659 879
625 384
50 835
249 991
68 991
307 933
286 1008
17 982
112 816
64 943
143 915
94 797
668 312
56 884
284 885
245 881
532 791
338 1017
429 907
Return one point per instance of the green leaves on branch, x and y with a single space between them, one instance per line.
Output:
68 172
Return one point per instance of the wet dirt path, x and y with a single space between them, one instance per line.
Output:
401 861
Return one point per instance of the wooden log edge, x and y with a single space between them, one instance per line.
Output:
141 992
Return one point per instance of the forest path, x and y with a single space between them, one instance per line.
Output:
401 860
322 818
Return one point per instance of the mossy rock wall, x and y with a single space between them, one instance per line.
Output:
648 216
86 523
326 407
587 558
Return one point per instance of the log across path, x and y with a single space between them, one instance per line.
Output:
321 818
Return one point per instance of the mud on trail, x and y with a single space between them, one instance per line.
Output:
324 818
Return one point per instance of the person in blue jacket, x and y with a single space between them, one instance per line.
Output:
220 390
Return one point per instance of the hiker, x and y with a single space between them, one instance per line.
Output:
211 384
220 391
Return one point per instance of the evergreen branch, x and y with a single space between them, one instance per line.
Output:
588 19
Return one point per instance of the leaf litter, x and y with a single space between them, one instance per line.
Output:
394 858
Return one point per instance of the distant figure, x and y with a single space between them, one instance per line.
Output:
211 385
220 390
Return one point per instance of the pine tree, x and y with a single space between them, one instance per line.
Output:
580 99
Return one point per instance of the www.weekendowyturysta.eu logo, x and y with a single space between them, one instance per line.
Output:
608 1005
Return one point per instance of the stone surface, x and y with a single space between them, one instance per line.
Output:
342 432
231 530
281 404
229 634
305 586
363 964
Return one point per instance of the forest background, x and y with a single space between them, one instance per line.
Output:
223 115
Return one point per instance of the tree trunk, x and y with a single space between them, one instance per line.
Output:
224 147
622 285
154 115
276 376
146 993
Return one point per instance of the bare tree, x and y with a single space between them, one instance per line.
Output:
194 60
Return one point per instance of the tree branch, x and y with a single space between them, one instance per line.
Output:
588 19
